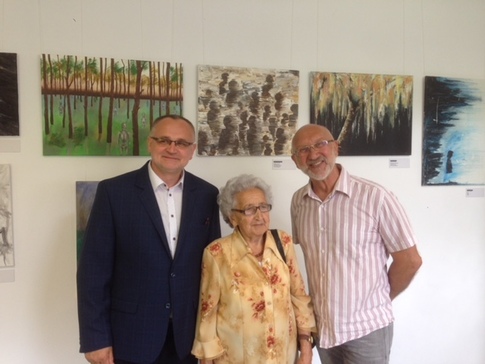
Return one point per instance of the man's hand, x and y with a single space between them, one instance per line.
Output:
101 356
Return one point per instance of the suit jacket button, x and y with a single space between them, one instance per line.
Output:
167 305
172 275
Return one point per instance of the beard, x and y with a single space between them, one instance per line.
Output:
320 175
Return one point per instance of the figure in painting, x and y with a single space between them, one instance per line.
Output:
123 140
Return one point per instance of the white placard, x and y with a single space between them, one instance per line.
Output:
475 192
399 163
283 164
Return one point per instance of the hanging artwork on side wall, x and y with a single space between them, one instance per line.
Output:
9 96
368 114
6 226
105 106
246 111
85 193
453 132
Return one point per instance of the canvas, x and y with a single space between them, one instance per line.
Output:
368 114
85 193
9 95
453 132
105 106
246 111
6 226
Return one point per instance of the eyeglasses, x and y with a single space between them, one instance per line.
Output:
167 142
303 151
250 211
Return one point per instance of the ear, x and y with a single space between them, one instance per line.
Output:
232 220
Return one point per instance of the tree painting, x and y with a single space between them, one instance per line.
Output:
9 95
246 111
105 106
368 114
453 132
6 226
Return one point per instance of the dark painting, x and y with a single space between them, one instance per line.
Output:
453 132
9 95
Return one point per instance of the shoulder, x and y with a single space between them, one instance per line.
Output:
285 237
192 180
219 246
365 185
127 178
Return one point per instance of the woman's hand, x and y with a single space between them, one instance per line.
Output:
305 357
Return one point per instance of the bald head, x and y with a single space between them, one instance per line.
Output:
308 134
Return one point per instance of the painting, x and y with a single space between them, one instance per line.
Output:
85 193
453 132
6 226
9 95
368 114
246 111
105 106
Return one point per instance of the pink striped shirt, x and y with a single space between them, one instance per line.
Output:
346 241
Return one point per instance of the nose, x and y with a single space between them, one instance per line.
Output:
171 146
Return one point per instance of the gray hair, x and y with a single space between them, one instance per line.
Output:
243 182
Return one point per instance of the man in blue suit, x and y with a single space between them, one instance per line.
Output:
139 270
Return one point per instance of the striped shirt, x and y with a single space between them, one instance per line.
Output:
346 241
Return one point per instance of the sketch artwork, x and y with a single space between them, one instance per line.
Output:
246 111
9 96
105 106
6 226
367 114
453 132
85 193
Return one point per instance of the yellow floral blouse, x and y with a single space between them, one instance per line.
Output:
249 312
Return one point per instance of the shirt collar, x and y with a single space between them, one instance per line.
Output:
341 186
240 248
156 181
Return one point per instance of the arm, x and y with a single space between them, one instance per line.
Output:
405 264
206 342
94 276
101 356
301 303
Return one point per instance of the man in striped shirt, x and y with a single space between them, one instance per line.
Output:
347 227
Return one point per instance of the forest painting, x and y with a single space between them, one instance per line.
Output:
368 114
105 106
85 193
6 226
453 132
246 111
9 95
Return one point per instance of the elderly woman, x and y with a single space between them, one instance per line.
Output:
253 306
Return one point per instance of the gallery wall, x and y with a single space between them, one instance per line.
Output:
439 320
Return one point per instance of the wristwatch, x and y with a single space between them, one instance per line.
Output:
308 338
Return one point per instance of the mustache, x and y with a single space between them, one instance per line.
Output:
320 159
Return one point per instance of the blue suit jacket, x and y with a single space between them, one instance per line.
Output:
128 283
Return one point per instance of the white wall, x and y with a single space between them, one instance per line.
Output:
439 320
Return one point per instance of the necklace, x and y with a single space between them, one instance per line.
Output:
260 254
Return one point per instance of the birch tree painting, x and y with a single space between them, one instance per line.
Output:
368 114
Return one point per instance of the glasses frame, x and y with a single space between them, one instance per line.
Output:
248 211
167 142
305 150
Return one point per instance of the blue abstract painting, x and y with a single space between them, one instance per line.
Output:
453 132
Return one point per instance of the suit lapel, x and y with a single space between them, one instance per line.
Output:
189 202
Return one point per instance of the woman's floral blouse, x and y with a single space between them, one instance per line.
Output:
249 312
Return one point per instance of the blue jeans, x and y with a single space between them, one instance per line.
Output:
373 348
